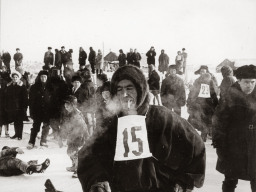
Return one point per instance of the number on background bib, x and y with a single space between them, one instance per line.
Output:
204 91
132 138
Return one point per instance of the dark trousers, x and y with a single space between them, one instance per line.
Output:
93 67
7 64
12 166
36 129
229 184
18 127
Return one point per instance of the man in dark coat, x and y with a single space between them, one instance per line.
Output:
78 91
18 57
82 57
154 84
121 58
151 57
92 59
16 103
11 166
6 57
234 133
173 94
140 147
39 104
57 59
64 57
129 57
3 116
136 58
48 57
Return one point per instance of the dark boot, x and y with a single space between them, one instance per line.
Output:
229 184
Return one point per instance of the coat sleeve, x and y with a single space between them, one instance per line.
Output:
8 152
181 100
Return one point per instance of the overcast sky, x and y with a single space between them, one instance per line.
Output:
210 30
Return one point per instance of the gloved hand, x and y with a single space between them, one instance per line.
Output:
100 187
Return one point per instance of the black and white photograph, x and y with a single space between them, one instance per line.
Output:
128 95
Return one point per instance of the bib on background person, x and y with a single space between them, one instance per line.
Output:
204 91
132 138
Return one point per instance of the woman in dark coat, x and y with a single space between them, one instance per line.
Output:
82 57
16 103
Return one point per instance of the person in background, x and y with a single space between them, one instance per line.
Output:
184 55
12 166
154 84
18 57
16 103
167 150
99 62
40 105
75 128
173 95
48 57
82 58
92 59
121 58
6 57
136 58
3 115
179 62
234 131
163 62
129 57
63 53
57 63
151 58
201 104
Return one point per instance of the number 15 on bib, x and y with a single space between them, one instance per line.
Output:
132 138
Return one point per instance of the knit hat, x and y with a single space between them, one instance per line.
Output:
136 76
202 67
246 72
15 73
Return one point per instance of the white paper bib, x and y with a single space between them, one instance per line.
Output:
132 138
204 91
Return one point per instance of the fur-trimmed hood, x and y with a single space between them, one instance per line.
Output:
135 75
19 83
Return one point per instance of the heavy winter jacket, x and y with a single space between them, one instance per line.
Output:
227 82
6 57
40 101
178 151
173 92
3 116
151 57
92 57
58 59
82 58
154 81
136 59
163 62
122 59
16 100
18 59
48 58
99 61
234 134
129 58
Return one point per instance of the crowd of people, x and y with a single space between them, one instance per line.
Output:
117 141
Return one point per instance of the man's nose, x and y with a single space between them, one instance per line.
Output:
124 93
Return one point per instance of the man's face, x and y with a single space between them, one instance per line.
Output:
162 51
131 50
15 78
127 94
172 71
76 84
135 50
43 78
247 85
203 71
69 107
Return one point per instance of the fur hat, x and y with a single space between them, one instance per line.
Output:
43 72
202 67
71 99
15 73
76 78
173 67
246 72
136 76
17 49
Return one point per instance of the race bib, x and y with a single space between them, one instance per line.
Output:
204 91
132 138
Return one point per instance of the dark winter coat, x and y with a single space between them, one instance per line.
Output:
92 57
154 81
89 104
122 59
151 57
18 59
82 58
48 58
129 58
40 101
227 82
81 95
6 57
58 59
163 62
201 109
178 151
173 92
64 56
16 101
136 59
234 134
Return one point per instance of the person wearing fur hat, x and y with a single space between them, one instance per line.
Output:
234 131
12 166
173 95
201 103
227 81
77 90
40 105
140 147
16 103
